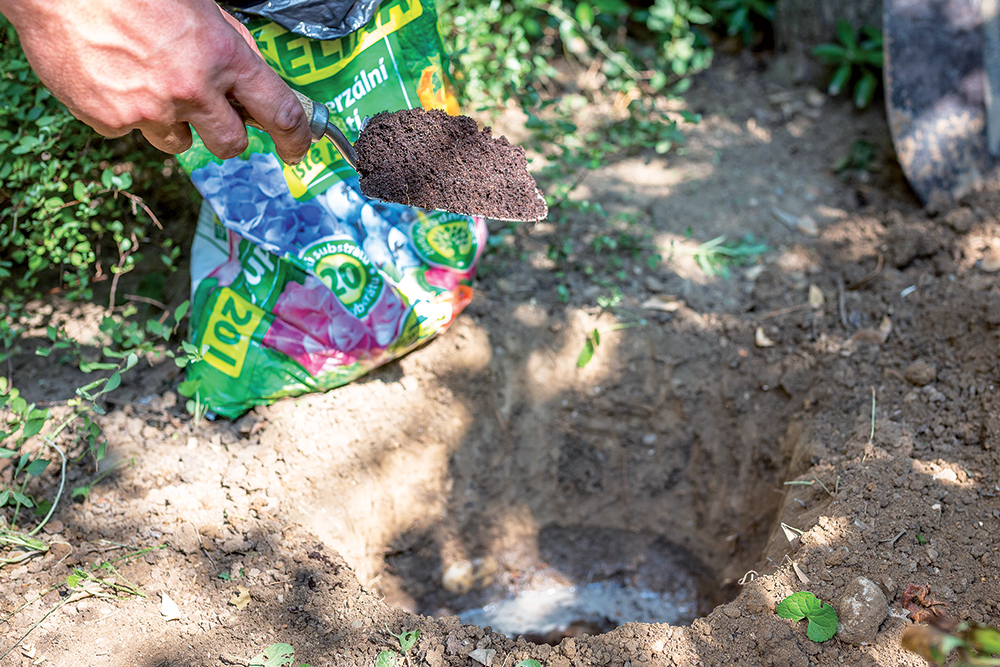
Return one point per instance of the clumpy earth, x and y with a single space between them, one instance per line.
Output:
822 419
432 160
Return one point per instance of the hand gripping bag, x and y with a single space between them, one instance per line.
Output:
299 283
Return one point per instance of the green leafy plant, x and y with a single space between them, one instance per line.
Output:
743 17
528 662
804 605
975 644
859 157
857 58
716 256
275 655
594 339
390 658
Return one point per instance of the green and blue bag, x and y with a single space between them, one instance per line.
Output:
299 283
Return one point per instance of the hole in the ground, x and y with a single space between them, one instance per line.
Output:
644 500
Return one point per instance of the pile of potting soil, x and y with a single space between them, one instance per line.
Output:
432 160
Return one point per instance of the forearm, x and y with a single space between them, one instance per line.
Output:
157 66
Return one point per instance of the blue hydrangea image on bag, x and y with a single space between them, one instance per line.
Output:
299 283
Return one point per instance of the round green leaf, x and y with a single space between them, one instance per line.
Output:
822 623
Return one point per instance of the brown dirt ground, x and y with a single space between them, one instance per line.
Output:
686 428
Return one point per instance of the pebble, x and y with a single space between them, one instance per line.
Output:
862 609
459 577
920 373
990 262
654 284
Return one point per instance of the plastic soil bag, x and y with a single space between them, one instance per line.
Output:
299 283
319 19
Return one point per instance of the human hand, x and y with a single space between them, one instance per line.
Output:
159 67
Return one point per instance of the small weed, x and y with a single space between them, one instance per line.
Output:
742 17
854 59
389 658
975 644
594 339
275 655
716 256
822 616
859 157
528 662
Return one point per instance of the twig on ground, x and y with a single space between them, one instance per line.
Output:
878 269
871 436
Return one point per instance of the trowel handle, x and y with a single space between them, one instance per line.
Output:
319 126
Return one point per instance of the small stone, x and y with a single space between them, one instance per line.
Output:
808 226
169 609
168 401
483 656
654 284
815 98
732 611
920 373
186 539
459 577
990 262
409 382
862 609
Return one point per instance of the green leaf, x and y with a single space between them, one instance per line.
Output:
97 366
586 354
864 91
831 53
22 499
189 387
32 427
181 311
822 623
585 15
113 382
81 492
840 79
275 655
797 606
7 454
37 467
528 662
822 617
845 33
986 639
79 191
4 497
408 639
387 658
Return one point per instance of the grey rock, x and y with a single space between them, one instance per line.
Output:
861 611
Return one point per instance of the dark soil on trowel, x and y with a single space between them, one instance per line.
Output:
432 160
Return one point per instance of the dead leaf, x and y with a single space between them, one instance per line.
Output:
53 527
790 535
665 303
241 598
800 574
761 339
874 336
816 297
169 609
